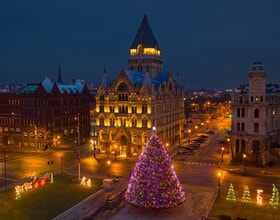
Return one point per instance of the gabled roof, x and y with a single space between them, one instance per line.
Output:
76 87
162 76
145 36
137 77
47 84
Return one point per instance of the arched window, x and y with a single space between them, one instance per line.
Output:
140 49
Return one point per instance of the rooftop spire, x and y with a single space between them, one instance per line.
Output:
59 78
105 79
145 36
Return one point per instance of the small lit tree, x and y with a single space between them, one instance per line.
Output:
231 195
274 201
246 195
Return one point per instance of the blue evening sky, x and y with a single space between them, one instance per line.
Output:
209 43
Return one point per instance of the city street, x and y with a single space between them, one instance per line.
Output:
197 172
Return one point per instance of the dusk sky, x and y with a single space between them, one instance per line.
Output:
209 43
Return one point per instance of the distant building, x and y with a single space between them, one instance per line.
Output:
255 133
44 114
138 99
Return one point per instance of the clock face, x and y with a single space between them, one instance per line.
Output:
257 82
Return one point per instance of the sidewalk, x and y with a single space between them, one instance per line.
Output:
104 157
247 170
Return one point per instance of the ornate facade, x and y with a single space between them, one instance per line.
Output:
255 134
135 101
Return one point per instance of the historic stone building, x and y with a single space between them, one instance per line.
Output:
256 120
138 99
45 114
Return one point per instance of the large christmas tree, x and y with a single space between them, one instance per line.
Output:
153 182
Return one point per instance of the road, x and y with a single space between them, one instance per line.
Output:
22 165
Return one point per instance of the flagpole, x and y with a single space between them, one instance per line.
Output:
78 149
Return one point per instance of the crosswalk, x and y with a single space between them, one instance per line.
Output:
190 163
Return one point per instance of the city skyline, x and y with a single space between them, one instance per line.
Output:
211 40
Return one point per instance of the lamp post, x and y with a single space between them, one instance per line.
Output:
78 149
222 154
244 162
34 134
61 166
109 163
94 138
115 152
91 147
5 169
219 184
202 125
196 130
58 142
189 133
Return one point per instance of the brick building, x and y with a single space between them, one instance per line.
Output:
44 114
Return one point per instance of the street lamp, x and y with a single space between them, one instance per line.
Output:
78 148
222 154
5 168
58 142
115 152
219 184
244 162
94 148
109 163
189 133
91 146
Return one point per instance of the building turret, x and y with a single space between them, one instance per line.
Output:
145 52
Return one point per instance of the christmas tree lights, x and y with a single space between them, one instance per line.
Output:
153 182
246 195
231 195
274 201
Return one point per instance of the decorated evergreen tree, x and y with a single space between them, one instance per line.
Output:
231 195
246 195
274 201
153 181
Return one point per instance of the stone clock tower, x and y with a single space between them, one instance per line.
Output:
257 79
144 53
